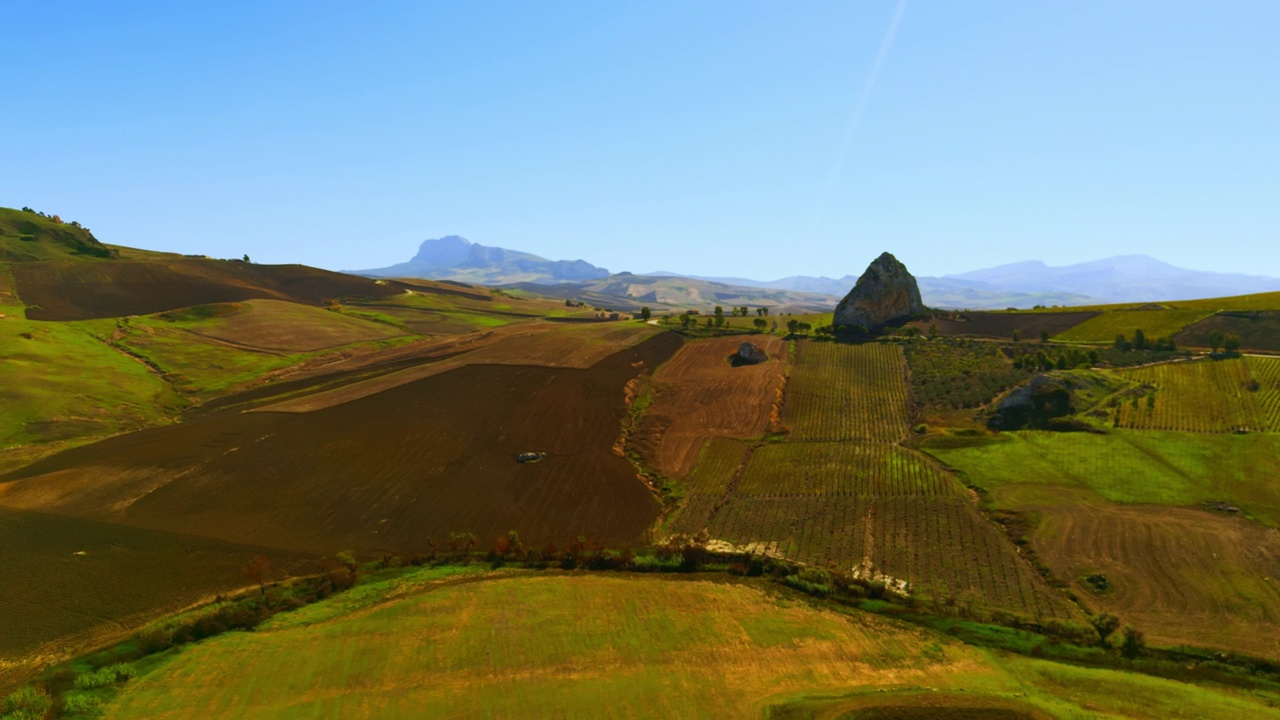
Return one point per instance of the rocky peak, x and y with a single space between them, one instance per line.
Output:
885 293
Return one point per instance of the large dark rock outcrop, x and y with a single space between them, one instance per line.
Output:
886 293
750 354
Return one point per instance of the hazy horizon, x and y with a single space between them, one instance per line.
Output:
717 138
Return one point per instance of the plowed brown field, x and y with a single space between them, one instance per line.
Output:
699 394
1001 325
82 290
1181 576
543 345
67 583
390 471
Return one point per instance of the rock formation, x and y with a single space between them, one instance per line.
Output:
750 354
885 293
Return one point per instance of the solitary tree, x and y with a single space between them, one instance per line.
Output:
645 313
1231 343
246 257
933 330
1105 624
792 326
760 323
1017 335
259 571
1044 336
1215 340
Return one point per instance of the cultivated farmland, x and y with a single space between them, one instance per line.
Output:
1183 576
700 394
394 470
1002 324
843 469
1257 330
839 493
1202 397
67 583
1154 323
847 392
86 289
940 547
958 373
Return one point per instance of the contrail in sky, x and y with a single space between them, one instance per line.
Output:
870 85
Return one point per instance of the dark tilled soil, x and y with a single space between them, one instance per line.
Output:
85 290
81 582
1256 330
1002 325
391 471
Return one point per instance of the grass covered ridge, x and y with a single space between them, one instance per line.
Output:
612 646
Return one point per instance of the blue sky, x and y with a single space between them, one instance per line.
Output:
704 137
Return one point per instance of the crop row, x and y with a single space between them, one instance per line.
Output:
1266 373
717 464
847 392
1206 397
959 373
940 546
847 468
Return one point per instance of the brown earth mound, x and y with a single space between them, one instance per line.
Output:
391 471
701 394
1001 325
70 290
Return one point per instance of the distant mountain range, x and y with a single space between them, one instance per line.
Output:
1127 278
456 258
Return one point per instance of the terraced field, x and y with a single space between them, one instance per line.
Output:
847 392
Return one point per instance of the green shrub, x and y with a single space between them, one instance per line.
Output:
78 703
103 677
27 703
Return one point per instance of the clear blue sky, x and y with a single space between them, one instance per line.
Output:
704 137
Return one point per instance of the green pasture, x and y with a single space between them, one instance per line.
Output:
1164 468
1153 323
617 646
62 380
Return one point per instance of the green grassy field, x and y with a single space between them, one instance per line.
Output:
1208 396
1153 323
1163 468
62 380
620 646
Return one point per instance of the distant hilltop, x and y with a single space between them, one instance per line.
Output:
457 258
